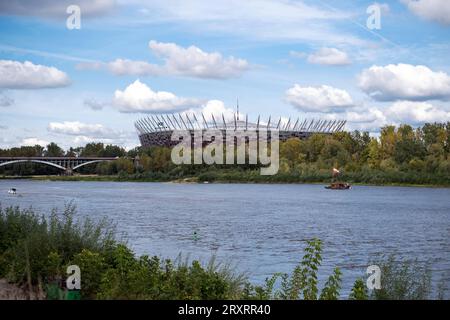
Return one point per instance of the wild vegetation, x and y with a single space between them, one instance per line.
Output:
400 155
36 250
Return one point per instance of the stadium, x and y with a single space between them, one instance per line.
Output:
156 130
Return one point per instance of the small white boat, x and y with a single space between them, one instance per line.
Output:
12 191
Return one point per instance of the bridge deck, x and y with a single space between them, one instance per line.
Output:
59 158
68 164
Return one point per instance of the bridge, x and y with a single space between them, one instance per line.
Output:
67 164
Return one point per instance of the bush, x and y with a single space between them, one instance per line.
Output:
151 278
302 284
33 248
402 280
37 250
359 291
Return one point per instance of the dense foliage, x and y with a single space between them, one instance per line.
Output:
402 155
403 279
35 252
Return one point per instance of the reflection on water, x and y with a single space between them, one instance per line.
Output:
261 228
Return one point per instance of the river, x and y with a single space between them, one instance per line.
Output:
261 228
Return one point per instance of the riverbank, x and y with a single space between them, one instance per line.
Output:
111 270
214 178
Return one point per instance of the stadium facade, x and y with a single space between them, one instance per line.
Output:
157 129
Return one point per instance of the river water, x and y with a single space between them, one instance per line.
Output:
261 228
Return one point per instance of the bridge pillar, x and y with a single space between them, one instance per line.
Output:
68 172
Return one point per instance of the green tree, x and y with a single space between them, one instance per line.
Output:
293 150
388 137
374 157
407 145
314 147
92 150
112 151
53 150
334 153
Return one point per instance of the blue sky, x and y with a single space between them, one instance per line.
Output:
313 59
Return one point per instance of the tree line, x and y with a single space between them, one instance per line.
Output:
400 154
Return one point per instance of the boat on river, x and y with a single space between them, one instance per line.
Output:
337 185
12 191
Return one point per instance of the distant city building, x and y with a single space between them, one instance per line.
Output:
156 130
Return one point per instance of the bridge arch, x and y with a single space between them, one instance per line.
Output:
89 162
65 164
33 160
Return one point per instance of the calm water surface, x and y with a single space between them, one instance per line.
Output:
261 228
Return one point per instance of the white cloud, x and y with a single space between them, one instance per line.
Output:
26 75
361 118
83 133
329 56
435 10
318 99
138 97
77 128
83 140
131 67
33 142
373 118
122 67
178 61
216 108
404 82
194 62
416 112
368 119
51 8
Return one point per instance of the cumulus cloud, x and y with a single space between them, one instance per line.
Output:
404 82
215 108
372 118
26 75
318 99
51 8
33 141
77 128
178 61
364 118
368 119
416 112
329 56
138 97
434 10
194 62
83 133
121 67
132 67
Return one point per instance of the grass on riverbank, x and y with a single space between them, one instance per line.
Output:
374 177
